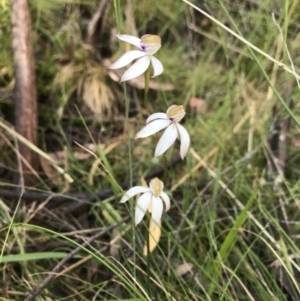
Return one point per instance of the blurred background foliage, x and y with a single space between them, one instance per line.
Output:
234 219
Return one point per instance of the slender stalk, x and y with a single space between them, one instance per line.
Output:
148 258
165 162
130 177
147 80
127 105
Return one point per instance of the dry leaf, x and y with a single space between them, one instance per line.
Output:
61 158
81 154
296 142
110 214
154 237
78 152
184 268
52 174
199 105
96 94
114 244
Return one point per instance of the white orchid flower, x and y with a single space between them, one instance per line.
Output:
148 45
152 196
169 120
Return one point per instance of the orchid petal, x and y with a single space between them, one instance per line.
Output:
156 186
166 199
184 140
175 113
157 66
157 116
138 68
134 191
142 206
157 210
166 140
127 58
130 39
152 128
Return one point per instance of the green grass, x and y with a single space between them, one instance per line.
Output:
231 220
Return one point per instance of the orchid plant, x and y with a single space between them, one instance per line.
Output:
153 196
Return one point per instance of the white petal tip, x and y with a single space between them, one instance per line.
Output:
158 153
183 156
184 153
138 135
124 79
138 220
113 66
155 75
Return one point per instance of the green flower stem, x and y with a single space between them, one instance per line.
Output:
147 80
117 7
127 104
148 257
165 162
